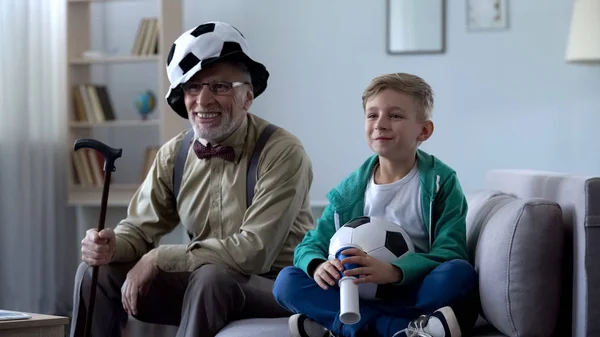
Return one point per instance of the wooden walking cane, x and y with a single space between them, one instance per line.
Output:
110 155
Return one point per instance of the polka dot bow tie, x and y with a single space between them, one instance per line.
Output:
209 151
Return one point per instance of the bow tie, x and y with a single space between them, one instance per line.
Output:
208 151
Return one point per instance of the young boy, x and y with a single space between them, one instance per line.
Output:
428 290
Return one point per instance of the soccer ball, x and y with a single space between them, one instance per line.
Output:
379 238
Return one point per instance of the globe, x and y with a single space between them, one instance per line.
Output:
145 103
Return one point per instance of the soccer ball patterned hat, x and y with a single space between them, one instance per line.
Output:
198 48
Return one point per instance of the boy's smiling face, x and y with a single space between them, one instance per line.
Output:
392 125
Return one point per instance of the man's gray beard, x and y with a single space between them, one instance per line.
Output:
215 135
209 135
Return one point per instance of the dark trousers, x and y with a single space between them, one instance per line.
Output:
201 302
453 283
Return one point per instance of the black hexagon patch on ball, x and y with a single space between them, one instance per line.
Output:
395 243
358 222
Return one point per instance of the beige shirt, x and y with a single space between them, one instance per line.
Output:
212 206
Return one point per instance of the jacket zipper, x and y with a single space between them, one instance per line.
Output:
436 190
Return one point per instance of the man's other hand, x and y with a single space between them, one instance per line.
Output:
138 281
97 248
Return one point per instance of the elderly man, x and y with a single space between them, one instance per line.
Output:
240 191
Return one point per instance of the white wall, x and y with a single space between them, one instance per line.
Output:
504 99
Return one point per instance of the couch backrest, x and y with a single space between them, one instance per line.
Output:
579 199
508 237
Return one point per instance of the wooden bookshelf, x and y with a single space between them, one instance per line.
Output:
114 59
94 105
116 123
81 1
119 195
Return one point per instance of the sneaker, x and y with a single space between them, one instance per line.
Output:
302 326
442 323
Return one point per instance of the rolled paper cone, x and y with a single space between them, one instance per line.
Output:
349 305
349 300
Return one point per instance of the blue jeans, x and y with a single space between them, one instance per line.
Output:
452 283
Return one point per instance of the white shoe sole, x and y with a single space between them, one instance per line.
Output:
451 321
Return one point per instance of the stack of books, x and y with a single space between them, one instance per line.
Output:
88 167
146 40
92 104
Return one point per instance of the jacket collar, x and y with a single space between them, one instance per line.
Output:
351 190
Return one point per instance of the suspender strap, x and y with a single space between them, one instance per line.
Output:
180 161
252 174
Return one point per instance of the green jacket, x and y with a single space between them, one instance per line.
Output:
444 211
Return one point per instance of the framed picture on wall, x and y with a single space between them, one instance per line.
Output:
416 26
487 15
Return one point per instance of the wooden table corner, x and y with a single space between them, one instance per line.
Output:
39 325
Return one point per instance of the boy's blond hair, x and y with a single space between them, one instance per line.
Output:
407 83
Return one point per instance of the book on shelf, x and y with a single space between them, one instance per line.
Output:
88 167
148 160
146 39
92 103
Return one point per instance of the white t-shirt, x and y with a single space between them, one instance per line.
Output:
400 202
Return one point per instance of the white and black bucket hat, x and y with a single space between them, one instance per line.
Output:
198 48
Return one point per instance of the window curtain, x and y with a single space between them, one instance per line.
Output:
38 247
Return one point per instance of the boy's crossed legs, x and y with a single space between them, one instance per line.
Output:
452 284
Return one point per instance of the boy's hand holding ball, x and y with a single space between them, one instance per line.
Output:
328 273
371 270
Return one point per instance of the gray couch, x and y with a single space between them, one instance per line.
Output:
534 238
525 288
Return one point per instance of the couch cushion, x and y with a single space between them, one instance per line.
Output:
482 204
516 247
256 327
579 198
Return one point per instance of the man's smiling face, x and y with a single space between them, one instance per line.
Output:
217 100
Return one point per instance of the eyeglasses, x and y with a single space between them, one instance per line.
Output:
217 87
